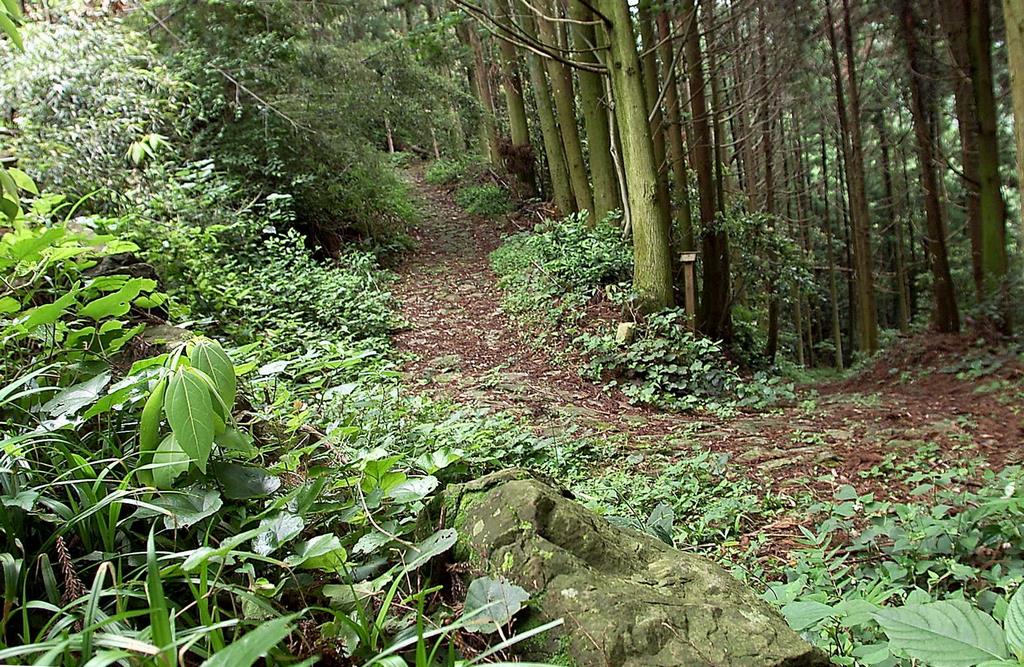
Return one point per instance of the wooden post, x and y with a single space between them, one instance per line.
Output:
689 260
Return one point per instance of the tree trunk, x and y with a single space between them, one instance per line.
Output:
561 188
1013 17
954 19
860 220
565 107
519 159
595 118
992 209
482 89
833 291
674 131
649 63
945 316
716 320
902 300
652 278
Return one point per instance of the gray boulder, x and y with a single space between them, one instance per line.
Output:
626 598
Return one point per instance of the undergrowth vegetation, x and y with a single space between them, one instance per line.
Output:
553 272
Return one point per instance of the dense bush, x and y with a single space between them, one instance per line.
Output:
80 96
954 544
561 265
445 171
487 200
668 366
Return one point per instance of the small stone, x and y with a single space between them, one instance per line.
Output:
625 333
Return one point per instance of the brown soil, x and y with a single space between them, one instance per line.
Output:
852 432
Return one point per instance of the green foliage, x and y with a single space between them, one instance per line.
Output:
952 556
445 171
86 95
694 499
487 200
560 266
668 366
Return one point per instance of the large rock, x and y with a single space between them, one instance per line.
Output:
626 598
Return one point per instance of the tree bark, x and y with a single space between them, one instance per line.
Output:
945 316
595 118
674 132
1013 17
955 19
716 321
992 209
561 188
652 278
561 88
520 159
860 219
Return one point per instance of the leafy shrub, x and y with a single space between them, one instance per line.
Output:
445 171
691 500
866 557
668 366
82 93
486 200
561 265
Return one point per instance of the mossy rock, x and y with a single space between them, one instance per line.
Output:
626 598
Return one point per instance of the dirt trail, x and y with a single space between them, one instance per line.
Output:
466 348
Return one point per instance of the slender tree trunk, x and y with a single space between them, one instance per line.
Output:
558 169
716 320
565 107
674 132
994 263
649 63
954 19
652 278
595 117
833 292
1013 17
860 219
945 315
482 89
520 159
902 301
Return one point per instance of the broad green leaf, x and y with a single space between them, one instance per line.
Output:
255 644
949 633
806 613
8 305
237 441
74 398
412 490
23 180
438 543
169 461
48 313
189 507
189 410
244 482
149 428
117 303
1014 623
322 552
498 600
11 29
209 357
278 530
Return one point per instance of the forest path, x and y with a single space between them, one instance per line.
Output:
466 348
